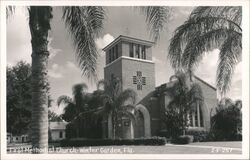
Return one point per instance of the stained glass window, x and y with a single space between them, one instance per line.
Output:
139 80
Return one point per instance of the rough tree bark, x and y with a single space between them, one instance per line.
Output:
39 27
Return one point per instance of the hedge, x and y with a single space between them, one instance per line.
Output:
183 139
154 141
199 135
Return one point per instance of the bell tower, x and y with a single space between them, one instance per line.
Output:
130 59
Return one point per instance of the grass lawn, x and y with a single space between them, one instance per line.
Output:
193 148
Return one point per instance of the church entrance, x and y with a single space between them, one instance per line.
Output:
130 126
125 127
143 121
139 125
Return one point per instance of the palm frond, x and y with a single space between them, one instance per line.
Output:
80 88
197 46
64 99
201 22
100 84
96 16
70 112
109 104
196 92
80 97
127 110
113 87
232 14
84 24
183 78
10 10
230 55
156 19
127 94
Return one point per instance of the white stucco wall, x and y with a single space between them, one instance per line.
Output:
55 134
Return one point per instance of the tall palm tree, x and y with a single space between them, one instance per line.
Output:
117 102
84 23
186 96
76 105
209 28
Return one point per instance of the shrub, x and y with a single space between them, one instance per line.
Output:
226 124
238 137
199 135
163 133
106 142
183 139
54 143
174 122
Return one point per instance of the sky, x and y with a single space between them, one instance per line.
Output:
63 71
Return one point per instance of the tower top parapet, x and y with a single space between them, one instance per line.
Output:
124 46
128 39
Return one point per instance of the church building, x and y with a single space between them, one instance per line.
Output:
130 59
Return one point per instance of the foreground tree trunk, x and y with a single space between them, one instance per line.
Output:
39 27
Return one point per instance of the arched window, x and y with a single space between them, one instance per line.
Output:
196 118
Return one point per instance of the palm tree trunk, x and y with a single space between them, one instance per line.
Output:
113 125
39 34
77 127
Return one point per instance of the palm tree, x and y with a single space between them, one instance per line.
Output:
186 96
206 29
96 100
84 24
76 105
54 117
116 102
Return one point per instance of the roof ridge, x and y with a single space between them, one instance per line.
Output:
211 86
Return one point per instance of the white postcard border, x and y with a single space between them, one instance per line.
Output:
245 78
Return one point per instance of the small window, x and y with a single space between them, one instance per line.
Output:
113 54
139 73
201 118
60 134
196 119
134 80
116 51
110 56
16 138
131 53
137 51
143 80
143 52
190 119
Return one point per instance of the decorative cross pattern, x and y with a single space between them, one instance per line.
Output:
139 80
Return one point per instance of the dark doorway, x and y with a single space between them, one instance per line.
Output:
140 130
